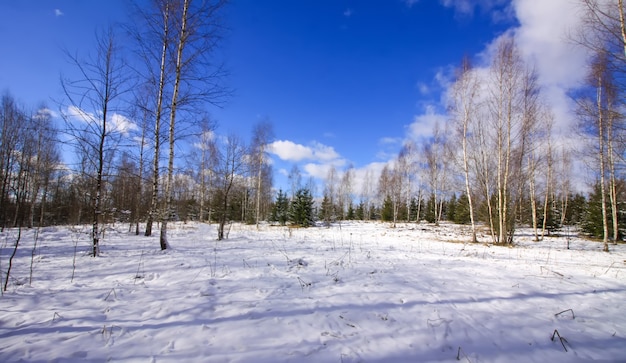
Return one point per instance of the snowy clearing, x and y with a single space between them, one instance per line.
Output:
356 292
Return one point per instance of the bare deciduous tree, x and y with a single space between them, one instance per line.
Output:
464 112
93 100
262 136
231 167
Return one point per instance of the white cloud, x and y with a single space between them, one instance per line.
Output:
122 124
323 152
319 171
390 141
78 114
118 123
410 3
424 124
347 13
423 88
205 138
290 151
43 113
58 12
543 37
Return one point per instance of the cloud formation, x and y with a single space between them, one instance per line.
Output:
117 123
122 124
423 125
542 37
290 151
58 12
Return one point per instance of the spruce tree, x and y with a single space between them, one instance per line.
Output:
280 210
351 213
461 212
301 211
326 210
451 206
592 217
387 212
413 208
360 212
430 214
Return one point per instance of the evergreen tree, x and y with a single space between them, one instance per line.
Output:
429 213
351 213
301 212
360 212
451 206
592 217
576 208
402 212
374 213
413 209
387 211
280 210
553 217
326 210
461 211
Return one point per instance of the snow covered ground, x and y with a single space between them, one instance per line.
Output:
359 292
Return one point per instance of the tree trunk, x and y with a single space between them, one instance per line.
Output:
182 38
605 224
157 124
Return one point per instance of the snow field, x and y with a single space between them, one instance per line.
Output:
355 292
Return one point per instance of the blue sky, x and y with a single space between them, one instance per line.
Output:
343 82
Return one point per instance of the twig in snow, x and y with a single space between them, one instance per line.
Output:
109 294
139 267
607 270
303 283
561 339
348 323
56 316
104 332
458 354
547 269
564 311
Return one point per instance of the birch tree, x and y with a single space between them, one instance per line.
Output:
262 136
506 73
231 167
593 113
187 78
90 114
464 111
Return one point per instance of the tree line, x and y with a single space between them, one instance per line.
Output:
495 160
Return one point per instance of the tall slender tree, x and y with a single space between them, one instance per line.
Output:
464 111
92 118
262 135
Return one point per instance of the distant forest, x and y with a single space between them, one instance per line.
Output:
495 163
